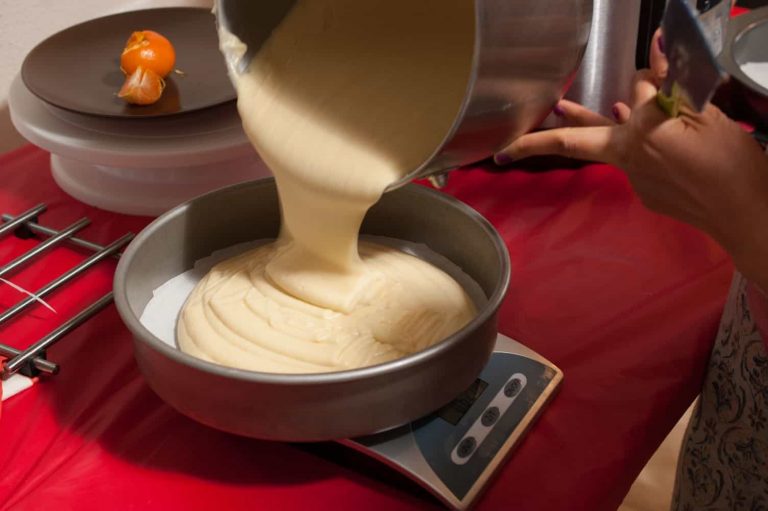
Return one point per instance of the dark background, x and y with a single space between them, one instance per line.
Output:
752 4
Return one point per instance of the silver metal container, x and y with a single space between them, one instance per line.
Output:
526 55
747 41
619 45
323 406
609 65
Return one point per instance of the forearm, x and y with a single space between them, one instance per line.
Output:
754 266
738 214
747 243
750 255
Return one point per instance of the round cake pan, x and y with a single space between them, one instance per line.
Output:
317 406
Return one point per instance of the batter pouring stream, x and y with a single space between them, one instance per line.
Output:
344 99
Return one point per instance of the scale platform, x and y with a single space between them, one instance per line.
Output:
455 452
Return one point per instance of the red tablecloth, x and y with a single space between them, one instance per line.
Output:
624 301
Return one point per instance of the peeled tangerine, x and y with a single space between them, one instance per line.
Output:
147 59
143 87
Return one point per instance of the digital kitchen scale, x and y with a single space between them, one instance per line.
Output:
455 452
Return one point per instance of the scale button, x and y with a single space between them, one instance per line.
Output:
466 447
490 417
513 387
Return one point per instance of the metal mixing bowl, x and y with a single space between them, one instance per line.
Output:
526 55
747 41
322 406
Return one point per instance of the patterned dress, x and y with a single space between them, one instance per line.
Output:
724 458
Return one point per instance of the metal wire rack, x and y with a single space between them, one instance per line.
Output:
32 361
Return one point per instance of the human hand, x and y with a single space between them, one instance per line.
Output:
702 169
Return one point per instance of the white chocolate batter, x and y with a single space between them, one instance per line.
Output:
344 99
237 317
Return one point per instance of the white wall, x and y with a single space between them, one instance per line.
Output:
25 23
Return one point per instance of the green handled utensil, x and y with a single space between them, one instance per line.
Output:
694 72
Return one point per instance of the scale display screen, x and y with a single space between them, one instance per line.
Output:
453 412
454 451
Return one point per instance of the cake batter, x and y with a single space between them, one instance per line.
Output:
344 99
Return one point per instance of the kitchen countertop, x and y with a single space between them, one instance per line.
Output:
625 302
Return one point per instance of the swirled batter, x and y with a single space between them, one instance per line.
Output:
344 99
258 326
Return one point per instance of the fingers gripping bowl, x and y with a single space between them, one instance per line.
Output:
316 406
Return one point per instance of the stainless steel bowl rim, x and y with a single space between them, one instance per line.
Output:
134 324
423 169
